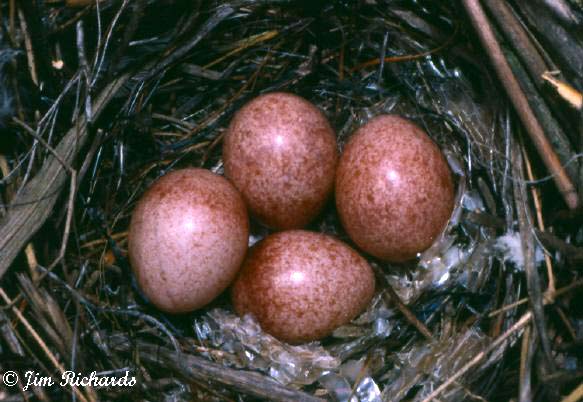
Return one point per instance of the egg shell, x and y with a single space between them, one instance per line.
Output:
187 239
394 190
281 153
302 285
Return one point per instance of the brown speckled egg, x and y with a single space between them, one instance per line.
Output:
280 152
187 239
394 190
302 285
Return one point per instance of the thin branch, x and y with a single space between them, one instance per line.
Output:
547 300
575 396
30 209
520 324
566 91
40 139
557 137
199 369
533 284
393 297
221 14
536 197
526 357
28 46
518 99
40 342
518 38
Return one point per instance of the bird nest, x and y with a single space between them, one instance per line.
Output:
99 99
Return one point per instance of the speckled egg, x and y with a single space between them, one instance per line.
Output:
394 190
302 285
187 239
281 153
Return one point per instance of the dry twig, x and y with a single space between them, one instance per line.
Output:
199 369
43 345
519 325
518 99
32 207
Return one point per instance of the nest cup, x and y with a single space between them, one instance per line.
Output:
100 99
